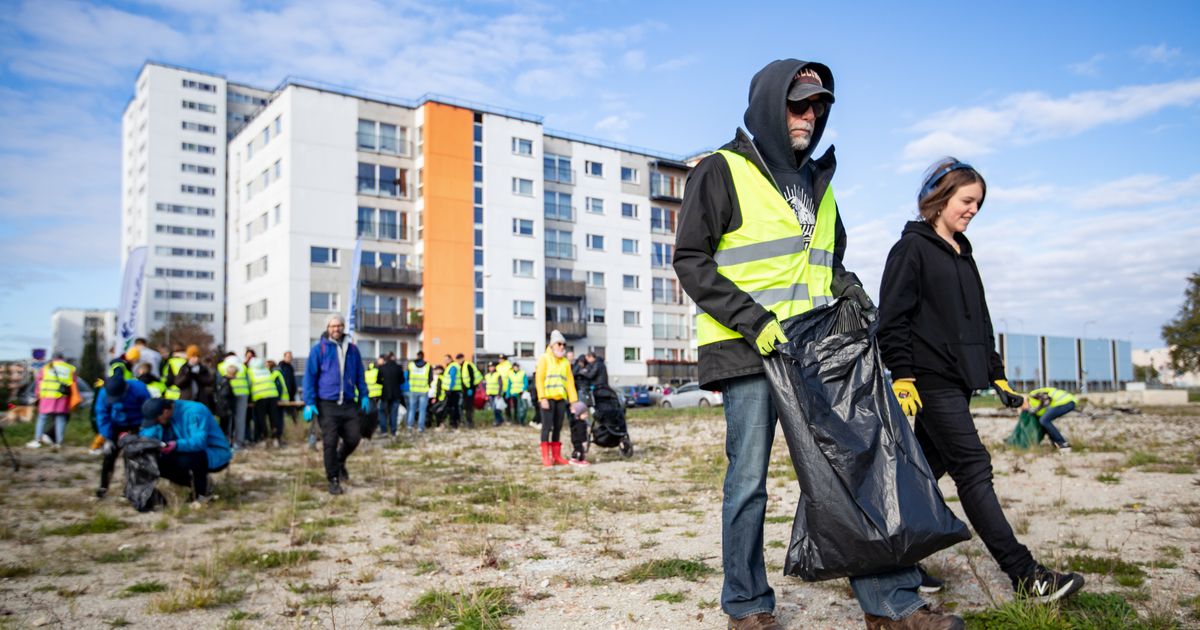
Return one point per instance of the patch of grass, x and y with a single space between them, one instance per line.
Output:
779 519
425 567
707 467
129 554
119 622
1109 478
484 608
1138 458
1089 611
100 523
16 570
249 558
1093 511
691 570
675 597
147 586
195 597
1124 573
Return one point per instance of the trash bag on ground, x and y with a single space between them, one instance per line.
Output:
141 472
1027 433
868 501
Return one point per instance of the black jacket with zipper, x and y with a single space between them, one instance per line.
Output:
710 210
934 324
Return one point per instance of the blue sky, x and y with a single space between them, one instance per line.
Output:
1083 117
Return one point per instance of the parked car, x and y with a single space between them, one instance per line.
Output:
690 395
636 395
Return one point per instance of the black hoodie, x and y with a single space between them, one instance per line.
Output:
710 210
933 317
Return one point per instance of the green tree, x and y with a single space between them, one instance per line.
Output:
183 333
90 366
1183 333
1145 373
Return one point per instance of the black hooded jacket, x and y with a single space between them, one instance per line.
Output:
933 317
710 210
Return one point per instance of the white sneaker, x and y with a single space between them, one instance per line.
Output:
33 444
46 440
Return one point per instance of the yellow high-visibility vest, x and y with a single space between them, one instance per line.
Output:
516 383
555 379
262 384
492 382
57 378
1057 396
239 384
418 378
174 364
766 256
374 387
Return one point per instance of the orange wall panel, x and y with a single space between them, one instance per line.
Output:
449 230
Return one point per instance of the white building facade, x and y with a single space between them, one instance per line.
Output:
71 327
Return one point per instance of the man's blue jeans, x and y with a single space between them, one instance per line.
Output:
388 410
1048 418
750 420
418 408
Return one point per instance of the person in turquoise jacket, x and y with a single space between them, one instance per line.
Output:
193 443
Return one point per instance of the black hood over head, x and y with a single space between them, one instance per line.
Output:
766 117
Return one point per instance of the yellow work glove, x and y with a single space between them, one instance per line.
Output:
1006 394
906 392
770 335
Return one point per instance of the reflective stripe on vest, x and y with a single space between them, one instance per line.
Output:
491 383
262 385
174 364
555 381
238 383
516 382
57 377
374 387
418 378
766 257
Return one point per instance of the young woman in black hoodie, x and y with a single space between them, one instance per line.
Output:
936 338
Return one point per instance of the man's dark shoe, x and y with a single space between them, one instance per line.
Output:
335 487
757 621
929 584
343 473
101 493
1047 586
923 619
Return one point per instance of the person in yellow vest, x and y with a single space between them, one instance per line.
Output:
241 396
172 372
1049 404
556 391
504 367
55 384
517 382
146 375
419 378
374 393
495 386
264 395
471 378
760 240
437 397
124 363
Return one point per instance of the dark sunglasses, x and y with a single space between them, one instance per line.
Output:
797 108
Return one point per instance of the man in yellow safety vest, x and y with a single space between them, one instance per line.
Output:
419 378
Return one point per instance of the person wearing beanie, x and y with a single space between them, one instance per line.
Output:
193 446
118 411
556 390
335 388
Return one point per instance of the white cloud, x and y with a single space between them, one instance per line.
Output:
1029 117
676 63
634 60
1161 54
1138 191
1089 68
1020 194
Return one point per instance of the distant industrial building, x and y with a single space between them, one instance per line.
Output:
1070 363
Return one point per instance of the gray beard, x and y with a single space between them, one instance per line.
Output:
800 144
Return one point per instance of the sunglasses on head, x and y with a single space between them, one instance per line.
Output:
797 108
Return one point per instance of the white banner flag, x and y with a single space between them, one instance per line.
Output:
131 296
352 303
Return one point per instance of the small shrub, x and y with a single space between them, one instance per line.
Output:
1124 573
16 570
691 570
484 608
148 586
129 554
1109 478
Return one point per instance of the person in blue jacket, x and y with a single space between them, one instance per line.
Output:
118 410
335 387
193 443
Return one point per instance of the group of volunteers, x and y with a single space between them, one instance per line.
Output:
760 239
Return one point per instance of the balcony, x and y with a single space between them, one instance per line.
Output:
558 175
390 323
384 144
389 277
570 330
672 371
671 331
562 251
565 289
559 212
396 189
384 231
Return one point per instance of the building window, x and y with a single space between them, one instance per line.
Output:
665 291
629 175
197 190
595 315
631 282
523 349
523 309
323 256
278 213
595 241
366 222
278 125
522 146
198 85
595 279
389 227
198 148
180 230
629 210
594 205
256 310
166 294
321 301
256 269
266 136
523 187
557 168
595 169
629 246
197 168
523 227
559 245
168 272
522 268
185 252
660 255
633 318
558 206
179 209
198 127
662 220
663 185
277 169
200 107
633 354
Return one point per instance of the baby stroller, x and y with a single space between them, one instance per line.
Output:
608 427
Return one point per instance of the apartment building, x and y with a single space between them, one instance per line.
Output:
70 329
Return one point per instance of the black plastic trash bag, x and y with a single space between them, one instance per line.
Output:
141 472
868 501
